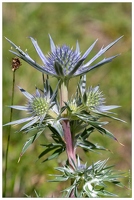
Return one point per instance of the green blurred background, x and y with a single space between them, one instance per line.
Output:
66 23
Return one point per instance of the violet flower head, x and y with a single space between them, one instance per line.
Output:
40 107
64 62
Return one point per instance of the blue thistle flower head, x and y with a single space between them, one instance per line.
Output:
89 100
64 62
94 100
40 107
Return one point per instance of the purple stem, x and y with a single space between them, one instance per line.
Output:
70 149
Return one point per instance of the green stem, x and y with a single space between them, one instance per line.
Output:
43 79
68 137
8 141
63 94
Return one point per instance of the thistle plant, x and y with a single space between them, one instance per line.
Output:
71 120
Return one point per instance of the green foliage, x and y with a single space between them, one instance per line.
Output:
30 141
58 146
89 181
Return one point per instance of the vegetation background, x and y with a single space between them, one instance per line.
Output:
66 23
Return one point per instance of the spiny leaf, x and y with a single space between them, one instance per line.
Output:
90 146
55 154
59 179
57 127
29 142
86 133
50 147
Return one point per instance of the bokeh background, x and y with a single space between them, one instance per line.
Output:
66 23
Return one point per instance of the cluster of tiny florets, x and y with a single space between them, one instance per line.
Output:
94 98
39 106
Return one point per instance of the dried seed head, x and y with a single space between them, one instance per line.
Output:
15 64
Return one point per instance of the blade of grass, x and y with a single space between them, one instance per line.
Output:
8 140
